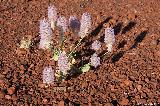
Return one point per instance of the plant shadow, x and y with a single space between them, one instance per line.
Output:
34 44
84 54
139 39
88 40
96 31
117 28
87 52
67 102
117 56
122 44
127 28
114 102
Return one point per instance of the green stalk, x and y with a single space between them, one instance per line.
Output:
61 38
104 54
79 43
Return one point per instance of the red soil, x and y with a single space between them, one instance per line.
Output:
130 75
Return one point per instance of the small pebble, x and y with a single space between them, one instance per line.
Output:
1 95
124 102
127 82
41 85
44 100
14 97
61 103
8 97
139 87
147 80
11 90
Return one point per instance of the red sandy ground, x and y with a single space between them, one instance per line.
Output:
130 75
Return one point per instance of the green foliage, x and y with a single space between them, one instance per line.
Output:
85 68
55 54
25 43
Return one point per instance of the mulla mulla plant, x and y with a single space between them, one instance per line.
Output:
65 59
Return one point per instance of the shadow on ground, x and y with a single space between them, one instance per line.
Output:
83 55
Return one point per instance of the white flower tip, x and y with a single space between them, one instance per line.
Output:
62 23
96 45
52 15
109 47
95 60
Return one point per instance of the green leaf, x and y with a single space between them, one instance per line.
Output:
85 68
55 55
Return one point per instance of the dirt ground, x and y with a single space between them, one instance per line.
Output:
130 75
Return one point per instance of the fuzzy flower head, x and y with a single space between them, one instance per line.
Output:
48 75
62 23
45 34
96 45
95 60
109 38
52 15
74 24
63 63
85 25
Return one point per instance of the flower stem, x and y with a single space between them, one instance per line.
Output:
78 44
104 54
61 38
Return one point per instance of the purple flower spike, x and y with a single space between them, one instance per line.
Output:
62 23
74 24
96 45
95 60
45 34
48 75
85 25
52 15
109 38
63 62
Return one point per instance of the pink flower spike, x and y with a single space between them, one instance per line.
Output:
62 23
109 38
95 60
63 62
85 25
52 15
96 45
48 75
45 34
74 24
